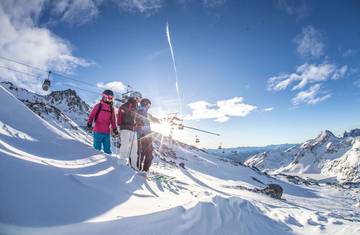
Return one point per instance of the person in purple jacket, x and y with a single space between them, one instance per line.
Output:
104 117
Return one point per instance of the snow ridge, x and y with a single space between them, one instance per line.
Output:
319 155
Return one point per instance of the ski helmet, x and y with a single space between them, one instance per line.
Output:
136 95
107 96
132 101
145 102
108 93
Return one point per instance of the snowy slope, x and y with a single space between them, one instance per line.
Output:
347 167
352 133
241 154
51 183
67 102
64 109
70 104
309 157
272 160
312 155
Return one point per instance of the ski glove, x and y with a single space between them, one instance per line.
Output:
89 127
115 133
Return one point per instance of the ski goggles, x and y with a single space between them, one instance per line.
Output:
108 97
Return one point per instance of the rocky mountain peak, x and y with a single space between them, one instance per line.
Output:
58 103
70 98
325 136
352 133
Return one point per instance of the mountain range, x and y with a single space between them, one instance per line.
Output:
326 154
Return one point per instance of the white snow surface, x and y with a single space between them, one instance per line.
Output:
51 183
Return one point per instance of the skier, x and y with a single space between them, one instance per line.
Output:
104 117
144 135
126 121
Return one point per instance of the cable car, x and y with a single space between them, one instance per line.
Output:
181 127
47 83
197 140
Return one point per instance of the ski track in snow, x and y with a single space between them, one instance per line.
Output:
51 184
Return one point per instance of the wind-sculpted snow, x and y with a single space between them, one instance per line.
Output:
50 183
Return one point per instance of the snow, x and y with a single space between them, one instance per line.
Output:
241 154
62 109
51 183
307 158
347 167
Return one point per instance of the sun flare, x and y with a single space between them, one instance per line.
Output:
164 127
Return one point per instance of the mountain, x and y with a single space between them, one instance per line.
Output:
64 109
352 133
241 154
309 157
70 104
51 183
347 167
59 103
270 160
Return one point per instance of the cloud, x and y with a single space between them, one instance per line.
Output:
349 52
21 13
306 74
157 54
268 109
83 11
310 43
115 86
213 3
297 8
147 7
151 7
77 12
22 40
357 83
221 111
311 96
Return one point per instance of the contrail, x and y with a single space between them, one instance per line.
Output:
174 64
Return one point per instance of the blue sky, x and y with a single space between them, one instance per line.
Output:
257 72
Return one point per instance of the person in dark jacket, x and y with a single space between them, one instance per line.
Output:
104 117
145 135
127 115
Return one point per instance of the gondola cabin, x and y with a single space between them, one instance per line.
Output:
46 84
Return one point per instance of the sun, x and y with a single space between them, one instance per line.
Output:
164 127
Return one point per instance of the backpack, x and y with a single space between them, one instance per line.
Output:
100 109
